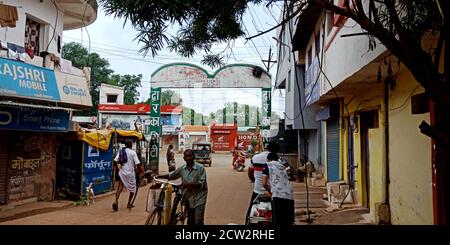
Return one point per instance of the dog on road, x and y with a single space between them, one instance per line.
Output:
90 194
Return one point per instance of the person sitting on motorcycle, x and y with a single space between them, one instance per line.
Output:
170 156
235 157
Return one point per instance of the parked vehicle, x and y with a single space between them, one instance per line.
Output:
202 153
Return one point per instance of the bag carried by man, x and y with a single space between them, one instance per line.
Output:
122 158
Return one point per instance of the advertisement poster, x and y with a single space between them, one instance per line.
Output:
126 122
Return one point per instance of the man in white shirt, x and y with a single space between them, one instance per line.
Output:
256 166
276 183
127 160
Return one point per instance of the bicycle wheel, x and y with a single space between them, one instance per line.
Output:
154 218
177 214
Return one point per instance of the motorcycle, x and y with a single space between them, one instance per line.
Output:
239 164
290 172
261 211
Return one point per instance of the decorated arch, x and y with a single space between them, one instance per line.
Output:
186 75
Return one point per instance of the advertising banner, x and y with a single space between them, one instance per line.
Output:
312 82
244 140
266 114
155 126
34 119
97 169
73 89
25 80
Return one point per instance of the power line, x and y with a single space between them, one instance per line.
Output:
137 51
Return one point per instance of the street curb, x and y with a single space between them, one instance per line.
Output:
33 212
36 211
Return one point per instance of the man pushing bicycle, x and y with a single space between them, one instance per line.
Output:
195 188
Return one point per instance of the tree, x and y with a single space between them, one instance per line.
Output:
100 71
169 97
202 23
130 83
397 24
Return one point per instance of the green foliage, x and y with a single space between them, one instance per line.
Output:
130 83
169 97
416 17
100 73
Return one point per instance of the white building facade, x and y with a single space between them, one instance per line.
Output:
38 92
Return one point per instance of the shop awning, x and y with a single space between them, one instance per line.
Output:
98 138
101 138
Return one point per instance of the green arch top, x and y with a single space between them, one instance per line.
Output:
205 71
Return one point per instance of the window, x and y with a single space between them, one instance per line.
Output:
111 98
289 81
33 36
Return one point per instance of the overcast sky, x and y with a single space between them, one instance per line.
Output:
114 41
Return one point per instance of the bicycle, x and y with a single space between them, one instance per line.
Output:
178 212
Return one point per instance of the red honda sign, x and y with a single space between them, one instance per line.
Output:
245 139
171 109
139 108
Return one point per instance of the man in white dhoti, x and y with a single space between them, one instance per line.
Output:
127 161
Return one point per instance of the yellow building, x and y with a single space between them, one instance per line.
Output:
371 109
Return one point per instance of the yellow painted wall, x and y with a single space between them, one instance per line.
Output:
366 99
410 157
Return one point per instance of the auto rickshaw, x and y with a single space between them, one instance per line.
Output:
202 153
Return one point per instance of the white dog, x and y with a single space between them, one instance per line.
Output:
90 194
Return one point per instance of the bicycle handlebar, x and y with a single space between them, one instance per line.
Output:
166 181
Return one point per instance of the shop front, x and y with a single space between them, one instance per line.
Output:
28 155
76 171
223 136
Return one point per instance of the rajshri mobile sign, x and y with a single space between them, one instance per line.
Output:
25 80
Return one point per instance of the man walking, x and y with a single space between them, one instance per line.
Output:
127 161
193 176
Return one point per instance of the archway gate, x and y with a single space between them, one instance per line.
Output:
186 75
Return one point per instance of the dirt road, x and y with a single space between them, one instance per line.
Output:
228 198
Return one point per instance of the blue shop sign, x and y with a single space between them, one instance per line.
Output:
34 119
97 168
25 80
95 160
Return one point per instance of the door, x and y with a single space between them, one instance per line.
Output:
3 167
368 120
333 154
365 157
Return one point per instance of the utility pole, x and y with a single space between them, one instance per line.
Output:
269 61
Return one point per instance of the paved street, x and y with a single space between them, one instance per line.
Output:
228 197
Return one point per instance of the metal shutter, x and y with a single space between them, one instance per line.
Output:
3 167
333 150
